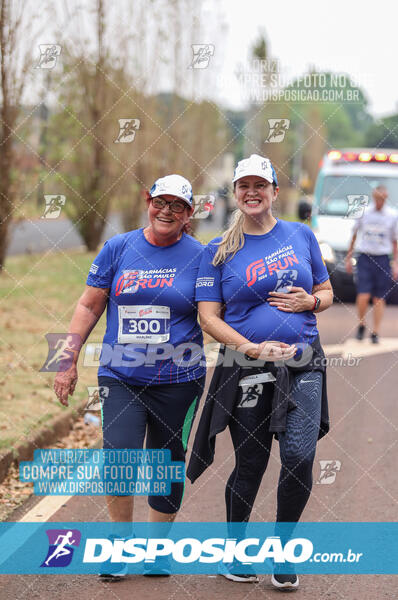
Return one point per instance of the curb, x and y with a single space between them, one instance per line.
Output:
56 428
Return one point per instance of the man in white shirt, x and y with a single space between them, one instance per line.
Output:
375 238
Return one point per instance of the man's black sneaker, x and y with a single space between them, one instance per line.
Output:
360 332
374 338
230 571
285 582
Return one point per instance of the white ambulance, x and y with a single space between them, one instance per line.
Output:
343 188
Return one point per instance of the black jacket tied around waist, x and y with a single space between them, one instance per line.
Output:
224 391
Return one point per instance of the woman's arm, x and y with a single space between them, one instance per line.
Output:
324 291
348 258
88 311
212 323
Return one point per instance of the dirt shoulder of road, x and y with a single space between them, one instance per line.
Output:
73 433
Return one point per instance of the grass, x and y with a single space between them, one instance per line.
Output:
38 294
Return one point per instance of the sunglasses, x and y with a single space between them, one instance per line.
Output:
176 206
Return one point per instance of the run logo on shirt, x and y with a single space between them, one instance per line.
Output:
131 281
258 269
127 283
254 270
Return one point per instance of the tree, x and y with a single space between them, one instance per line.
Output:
15 62
121 81
265 67
78 135
383 134
342 106
314 145
179 133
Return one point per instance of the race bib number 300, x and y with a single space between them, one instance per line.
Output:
144 324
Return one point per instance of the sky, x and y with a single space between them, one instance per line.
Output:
340 36
349 37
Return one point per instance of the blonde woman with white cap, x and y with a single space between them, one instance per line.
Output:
269 277
146 280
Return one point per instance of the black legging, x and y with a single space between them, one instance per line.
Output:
252 442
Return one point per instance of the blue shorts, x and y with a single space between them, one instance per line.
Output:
164 413
373 275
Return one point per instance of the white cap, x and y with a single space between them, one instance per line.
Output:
255 165
175 185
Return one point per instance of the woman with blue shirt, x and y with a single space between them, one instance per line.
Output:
146 280
269 277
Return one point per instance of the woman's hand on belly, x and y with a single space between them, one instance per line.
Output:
272 351
297 300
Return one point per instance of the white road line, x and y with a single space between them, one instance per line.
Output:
45 509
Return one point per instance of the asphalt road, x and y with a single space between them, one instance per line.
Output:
363 437
39 235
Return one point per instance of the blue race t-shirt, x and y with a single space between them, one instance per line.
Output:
152 333
287 255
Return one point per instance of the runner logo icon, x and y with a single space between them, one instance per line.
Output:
357 204
127 129
54 204
250 395
277 129
203 205
60 551
329 469
61 349
48 56
96 397
286 280
201 55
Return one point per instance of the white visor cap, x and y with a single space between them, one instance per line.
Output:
174 185
255 165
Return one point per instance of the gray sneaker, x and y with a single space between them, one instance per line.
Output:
285 582
117 575
113 571
232 572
